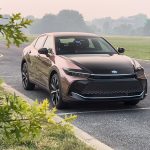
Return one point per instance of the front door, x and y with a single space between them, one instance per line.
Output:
35 61
45 63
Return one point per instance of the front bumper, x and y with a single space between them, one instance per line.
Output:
77 96
108 90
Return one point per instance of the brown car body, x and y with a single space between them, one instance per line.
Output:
100 82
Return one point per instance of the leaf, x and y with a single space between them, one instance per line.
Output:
22 123
12 30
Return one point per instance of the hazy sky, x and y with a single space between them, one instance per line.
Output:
90 9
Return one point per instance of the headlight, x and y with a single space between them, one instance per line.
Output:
137 66
139 71
76 72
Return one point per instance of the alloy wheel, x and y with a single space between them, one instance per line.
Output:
55 90
24 76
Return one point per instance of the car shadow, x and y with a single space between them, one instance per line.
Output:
96 106
40 94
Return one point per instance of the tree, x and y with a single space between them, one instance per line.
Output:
12 27
71 20
146 29
45 24
65 21
123 29
106 27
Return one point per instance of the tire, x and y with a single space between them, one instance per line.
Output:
27 85
55 92
132 103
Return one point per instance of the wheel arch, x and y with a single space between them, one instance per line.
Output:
22 62
52 72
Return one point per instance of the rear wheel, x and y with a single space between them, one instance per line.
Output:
25 78
55 92
132 103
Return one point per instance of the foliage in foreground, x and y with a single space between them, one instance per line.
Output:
12 29
49 134
23 123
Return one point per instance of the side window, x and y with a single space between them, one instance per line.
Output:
49 43
91 45
40 42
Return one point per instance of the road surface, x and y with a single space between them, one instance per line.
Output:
118 126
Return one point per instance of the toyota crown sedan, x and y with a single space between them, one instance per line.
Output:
82 67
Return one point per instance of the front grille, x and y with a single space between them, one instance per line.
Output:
121 76
107 89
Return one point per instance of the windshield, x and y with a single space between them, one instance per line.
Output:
83 45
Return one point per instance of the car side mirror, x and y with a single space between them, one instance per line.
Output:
121 50
50 51
43 51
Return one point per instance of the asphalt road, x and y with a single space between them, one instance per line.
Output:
118 126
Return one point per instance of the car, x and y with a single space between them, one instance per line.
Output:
82 67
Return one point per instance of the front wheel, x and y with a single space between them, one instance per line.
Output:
55 92
132 103
25 78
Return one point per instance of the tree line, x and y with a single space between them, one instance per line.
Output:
133 25
65 21
73 21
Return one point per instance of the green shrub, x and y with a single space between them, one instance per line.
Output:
1 81
23 123
12 30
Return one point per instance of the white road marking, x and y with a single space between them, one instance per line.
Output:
102 111
3 76
1 55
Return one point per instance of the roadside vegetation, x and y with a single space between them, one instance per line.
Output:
11 29
136 47
24 126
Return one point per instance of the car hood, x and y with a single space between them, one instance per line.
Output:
103 63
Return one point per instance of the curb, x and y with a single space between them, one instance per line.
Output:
80 134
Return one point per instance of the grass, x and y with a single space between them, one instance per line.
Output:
49 140
137 47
